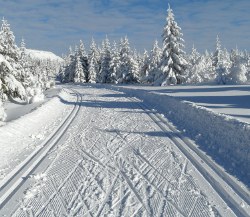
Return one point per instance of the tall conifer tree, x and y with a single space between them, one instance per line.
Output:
173 63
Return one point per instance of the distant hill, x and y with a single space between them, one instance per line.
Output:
43 55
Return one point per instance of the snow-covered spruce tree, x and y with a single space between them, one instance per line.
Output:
93 63
114 63
223 68
238 71
67 68
10 68
70 68
128 71
155 58
221 63
79 75
208 73
194 67
217 57
173 63
105 72
194 56
27 78
84 59
247 64
144 69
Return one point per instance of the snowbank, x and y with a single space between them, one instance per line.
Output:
19 137
225 139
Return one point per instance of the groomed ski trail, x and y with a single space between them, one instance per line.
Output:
114 160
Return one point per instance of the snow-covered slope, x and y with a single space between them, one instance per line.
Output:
43 55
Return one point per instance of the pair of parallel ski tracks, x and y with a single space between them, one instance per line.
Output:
236 197
14 180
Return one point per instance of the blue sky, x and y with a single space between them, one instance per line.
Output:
55 24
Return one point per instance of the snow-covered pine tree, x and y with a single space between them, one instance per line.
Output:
173 63
10 68
217 57
105 72
144 69
70 70
208 74
22 49
155 58
238 71
194 67
84 59
93 63
27 78
67 67
128 71
194 56
223 68
79 75
8 46
247 64
114 63
221 63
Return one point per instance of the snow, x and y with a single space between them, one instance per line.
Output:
2 113
224 138
43 55
17 108
226 99
19 137
117 158
114 160
5 62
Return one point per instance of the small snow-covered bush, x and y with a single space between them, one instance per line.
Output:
238 74
50 84
38 96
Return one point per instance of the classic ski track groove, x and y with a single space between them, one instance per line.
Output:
24 169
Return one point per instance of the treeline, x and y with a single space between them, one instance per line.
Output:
20 75
165 65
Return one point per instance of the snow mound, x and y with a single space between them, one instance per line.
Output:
43 55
